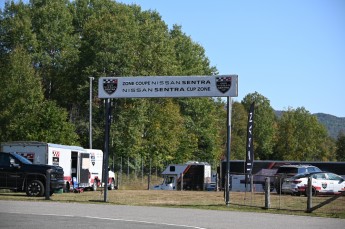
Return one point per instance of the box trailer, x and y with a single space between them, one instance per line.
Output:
192 176
77 162
96 170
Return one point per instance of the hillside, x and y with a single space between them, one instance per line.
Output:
333 124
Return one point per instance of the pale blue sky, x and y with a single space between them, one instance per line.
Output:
290 51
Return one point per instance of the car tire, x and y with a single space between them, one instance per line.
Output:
35 188
314 192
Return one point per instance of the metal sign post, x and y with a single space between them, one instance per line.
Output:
227 182
90 114
106 147
166 87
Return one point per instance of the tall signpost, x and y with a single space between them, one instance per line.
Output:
106 147
90 114
167 87
228 123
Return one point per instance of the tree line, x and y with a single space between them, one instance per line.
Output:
49 49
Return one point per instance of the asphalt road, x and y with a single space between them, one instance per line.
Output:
33 215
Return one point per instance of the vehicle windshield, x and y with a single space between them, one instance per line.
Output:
313 169
333 176
21 159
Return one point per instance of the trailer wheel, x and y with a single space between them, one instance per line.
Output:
68 187
35 188
112 185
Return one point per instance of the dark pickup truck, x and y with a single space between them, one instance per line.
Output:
19 174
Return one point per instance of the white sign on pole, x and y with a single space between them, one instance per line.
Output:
168 86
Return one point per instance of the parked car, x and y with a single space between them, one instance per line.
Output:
322 183
290 184
19 174
287 171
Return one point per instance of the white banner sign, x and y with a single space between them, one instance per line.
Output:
167 86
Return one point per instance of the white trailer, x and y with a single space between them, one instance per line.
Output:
75 161
192 176
96 170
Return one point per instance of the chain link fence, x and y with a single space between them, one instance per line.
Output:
261 193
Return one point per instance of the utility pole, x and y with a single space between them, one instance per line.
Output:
90 115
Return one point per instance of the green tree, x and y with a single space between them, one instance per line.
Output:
340 144
190 55
106 50
57 53
108 43
16 29
301 137
128 127
147 129
156 54
238 132
164 130
264 125
25 114
20 95
205 122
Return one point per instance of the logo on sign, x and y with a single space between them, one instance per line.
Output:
110 85
93 159
56 154
223 84
324 185
56 157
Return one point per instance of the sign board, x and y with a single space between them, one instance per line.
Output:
168 86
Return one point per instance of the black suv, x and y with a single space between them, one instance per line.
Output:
19 174
287 171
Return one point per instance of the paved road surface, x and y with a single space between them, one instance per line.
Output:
33 215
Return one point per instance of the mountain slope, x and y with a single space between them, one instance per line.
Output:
333 124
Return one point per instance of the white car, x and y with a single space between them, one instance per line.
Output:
322 183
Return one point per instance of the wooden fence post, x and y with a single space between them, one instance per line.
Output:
267 193
309 194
